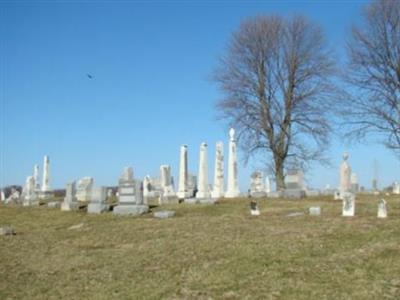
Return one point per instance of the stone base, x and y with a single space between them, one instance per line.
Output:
97 208
192 200
164 214
54 204
294 194
45 194
133 210
207 201
168 200
258 194
69 206
254 212
275 194
314 211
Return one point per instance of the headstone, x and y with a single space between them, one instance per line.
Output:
257 188
84 189
168 194
30 197
396 188
183 190
46 174
98 199
14 197
36 177
268 185
202 185
348 204
345 176
354 183
294 185
295 214
382 210
2 196
54 204
218 189
254 211
233 187
7 230
130 195
192 185
70 201
315 211
164 214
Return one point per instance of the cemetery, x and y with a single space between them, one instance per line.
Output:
198 241
200 150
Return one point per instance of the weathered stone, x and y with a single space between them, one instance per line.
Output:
30 197
166 181
7 230
70 201
348 204
218 189
98 199
233 187
202 184
382 210
345 176
54 204
164 214
315 211
183 189
84 189
295 214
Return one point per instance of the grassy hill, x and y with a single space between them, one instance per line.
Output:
204 252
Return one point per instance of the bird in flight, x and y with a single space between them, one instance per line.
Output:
89 76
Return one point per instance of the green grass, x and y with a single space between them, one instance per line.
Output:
205 252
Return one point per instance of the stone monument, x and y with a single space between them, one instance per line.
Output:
202 184
183 191
232 188
382 210
46 191
294 184
218 189
254 211
70 201
84 189
257 187
348 204
167 194
345 176
30 196
130 195
268 185
36 177
98 199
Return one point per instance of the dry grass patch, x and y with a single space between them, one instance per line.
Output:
205 251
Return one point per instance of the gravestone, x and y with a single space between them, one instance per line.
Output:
396 188
345 176
254 211
46 191
233 187
294 185
70 201
130 195
14 198
183 189
167 194
348 204
382 210
98 199
218 189
84 189
315 211
164 214
257 188
30 196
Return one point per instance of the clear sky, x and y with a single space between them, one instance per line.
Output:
149 93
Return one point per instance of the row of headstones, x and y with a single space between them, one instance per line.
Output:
348 207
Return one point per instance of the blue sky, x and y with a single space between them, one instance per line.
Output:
150 90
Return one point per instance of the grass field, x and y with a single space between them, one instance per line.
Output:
205 252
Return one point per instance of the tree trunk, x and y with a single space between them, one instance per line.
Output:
279 175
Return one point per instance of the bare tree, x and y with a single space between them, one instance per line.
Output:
374 75
275 78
